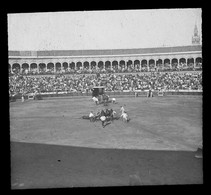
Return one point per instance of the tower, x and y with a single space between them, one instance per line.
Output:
195 37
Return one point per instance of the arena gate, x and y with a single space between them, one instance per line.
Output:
99 90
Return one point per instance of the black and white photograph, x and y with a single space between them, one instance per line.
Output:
105 98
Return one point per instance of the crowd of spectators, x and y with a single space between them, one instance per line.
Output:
112 82
121 69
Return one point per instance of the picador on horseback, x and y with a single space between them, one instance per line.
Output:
99 96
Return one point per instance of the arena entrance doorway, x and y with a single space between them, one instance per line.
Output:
99 90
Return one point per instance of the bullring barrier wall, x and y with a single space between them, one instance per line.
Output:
115 94
122 93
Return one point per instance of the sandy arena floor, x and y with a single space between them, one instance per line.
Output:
158 123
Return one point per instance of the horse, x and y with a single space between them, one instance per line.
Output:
95 100
110 116
100 98
105 99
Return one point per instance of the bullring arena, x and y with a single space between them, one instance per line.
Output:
159 123
53 146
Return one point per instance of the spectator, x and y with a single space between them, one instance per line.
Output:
91 116
113 82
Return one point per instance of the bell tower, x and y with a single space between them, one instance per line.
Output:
195 37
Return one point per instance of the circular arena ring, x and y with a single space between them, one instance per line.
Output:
170 122
50 138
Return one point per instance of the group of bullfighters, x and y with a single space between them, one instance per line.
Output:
106 116
103 99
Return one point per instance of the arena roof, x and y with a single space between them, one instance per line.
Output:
191 48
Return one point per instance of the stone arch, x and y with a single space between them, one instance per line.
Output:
86 65
100 64
50 66
72 66
198 62
33 66
65 65
122 64
174 63
190 62
144 63
174 60
16 66
167 61
182 61
58 66
42 66
78 65
151 63
166 64
107 64
129 64
114 64
93 64
25 66
159 62
136 64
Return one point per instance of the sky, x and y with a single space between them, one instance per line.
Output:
116 29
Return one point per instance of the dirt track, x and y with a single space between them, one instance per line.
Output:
45 136
158 124
51 166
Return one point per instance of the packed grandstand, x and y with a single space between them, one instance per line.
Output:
118 70
80 82
43 70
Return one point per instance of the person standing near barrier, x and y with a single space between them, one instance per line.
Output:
95 100
22 98
149 94
102 113
113 114
103 119
97 116
122 109
91 116
113 100
125 117
136 94
107 112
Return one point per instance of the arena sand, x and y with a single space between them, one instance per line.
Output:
158 123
